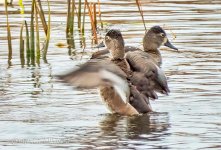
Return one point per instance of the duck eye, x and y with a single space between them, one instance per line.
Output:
162 34
107 38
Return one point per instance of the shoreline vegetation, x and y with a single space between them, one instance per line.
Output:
33 47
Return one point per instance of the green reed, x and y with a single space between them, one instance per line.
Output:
32 33
33 49
83 24
70 24
28 51
79 14
48 33
22 46
37 37
8 34
92 13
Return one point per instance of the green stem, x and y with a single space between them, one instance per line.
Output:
9 34
48 34
79 14
28 52
32 38
22 49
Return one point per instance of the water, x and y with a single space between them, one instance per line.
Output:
36 111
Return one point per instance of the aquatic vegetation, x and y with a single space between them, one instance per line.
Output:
22 47
8 35
70 23
32 34
48 33
32 44
33 49
27 43
92 14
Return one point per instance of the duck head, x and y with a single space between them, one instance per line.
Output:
115 44
156 37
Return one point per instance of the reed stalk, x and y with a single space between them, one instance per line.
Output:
22 47
83 23
99 13
141 13
32 33
89 7
42 16
79 14
72 43
8 34
72 18
68 18
48 34
28 51
95 15
70 23
82 35
38 53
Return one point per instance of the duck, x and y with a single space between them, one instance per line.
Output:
153 39
126 83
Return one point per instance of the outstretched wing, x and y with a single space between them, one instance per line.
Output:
97 73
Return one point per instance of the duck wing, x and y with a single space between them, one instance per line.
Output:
155 78
97 73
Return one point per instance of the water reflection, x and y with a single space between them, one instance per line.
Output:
136 127
116 131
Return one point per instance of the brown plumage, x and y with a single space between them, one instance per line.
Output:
125 82
145 64
153 39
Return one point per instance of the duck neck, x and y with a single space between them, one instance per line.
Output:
152 51
122 63
155 53
117 53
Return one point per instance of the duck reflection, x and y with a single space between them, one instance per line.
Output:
121 132
142 126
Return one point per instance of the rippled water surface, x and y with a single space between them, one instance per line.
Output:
36 111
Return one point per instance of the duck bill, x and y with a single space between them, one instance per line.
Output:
168 44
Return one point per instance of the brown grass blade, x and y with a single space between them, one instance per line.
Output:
95 15
141 13
42 16
89 7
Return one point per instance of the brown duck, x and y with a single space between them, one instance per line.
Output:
153 39
125 83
